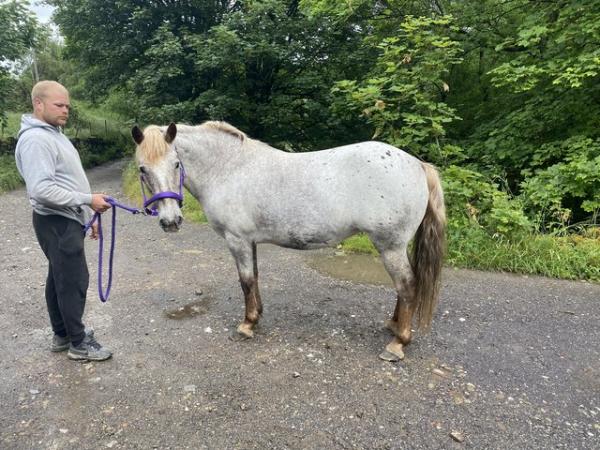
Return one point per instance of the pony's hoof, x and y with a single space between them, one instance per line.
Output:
242 333
393 352
236 336
390 357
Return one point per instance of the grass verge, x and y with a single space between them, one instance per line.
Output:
572 257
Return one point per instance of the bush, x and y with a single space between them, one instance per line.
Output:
567 190
96 151
9 175
474 201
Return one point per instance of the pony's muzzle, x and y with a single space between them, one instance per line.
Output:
171 225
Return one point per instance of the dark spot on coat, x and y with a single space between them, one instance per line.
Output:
388 153
294 243
300 242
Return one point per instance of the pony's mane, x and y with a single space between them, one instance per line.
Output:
154 146
224 127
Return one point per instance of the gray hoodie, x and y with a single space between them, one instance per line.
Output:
52 170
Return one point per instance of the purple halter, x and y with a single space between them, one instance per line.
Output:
161 195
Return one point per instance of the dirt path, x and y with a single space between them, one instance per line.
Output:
512 361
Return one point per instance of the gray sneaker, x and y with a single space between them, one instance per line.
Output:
60 344
88 350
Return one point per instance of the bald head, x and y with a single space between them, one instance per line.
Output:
44 88
51 103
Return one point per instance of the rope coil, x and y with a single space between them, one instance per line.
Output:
98 217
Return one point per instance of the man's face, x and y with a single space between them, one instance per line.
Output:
53 108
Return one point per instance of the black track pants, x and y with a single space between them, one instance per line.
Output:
61 240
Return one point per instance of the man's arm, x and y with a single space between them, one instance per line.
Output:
38 167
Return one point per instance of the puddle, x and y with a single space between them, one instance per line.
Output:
360 268
197 308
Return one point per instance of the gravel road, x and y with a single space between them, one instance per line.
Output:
511 361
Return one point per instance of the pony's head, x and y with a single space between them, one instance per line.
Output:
160 170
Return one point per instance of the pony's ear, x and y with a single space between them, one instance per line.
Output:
137 135
171 133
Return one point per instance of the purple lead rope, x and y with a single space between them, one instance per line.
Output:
145 211
98 217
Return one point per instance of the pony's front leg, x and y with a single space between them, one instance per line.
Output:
245 259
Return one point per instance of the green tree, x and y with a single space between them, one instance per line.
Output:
263 65
539 115
49 64
403 96
269 68
17 35
112 41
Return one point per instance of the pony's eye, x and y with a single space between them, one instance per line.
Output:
142 169
177 165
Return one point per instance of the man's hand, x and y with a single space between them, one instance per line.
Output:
94 231
99 203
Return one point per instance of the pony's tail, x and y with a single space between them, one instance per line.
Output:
428 250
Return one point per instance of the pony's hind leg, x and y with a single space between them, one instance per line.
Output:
259 306
398 266
245 259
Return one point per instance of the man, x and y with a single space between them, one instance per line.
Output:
60 195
